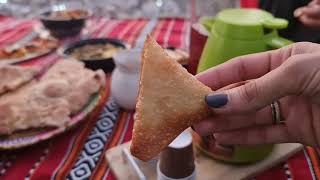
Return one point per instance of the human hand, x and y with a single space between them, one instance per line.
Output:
309 15
243 114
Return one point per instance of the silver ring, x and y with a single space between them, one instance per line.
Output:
276 113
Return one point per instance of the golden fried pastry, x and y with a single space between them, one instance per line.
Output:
179 55
170 100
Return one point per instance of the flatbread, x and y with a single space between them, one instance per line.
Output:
170 100
12 77
82 82
49 102
31 107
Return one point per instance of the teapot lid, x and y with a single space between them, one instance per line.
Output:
128 60
246 23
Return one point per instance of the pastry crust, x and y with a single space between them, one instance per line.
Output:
179 55
170 100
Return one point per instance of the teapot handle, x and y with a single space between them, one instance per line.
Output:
278 42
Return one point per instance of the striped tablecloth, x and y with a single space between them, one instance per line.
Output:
79 153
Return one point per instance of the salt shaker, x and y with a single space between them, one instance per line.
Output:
125 78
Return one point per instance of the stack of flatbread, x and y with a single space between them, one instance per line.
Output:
62 91
170 100
13 77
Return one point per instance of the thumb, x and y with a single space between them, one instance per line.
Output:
314 2
253 95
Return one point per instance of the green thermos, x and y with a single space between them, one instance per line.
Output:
235 32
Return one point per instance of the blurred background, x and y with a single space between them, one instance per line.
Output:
123 8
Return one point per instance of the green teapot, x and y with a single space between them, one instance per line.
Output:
235 32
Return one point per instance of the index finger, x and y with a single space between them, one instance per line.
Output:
244 68
314 2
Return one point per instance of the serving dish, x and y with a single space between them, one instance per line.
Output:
92 48
66 22
35 48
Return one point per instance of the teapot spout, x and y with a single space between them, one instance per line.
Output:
277 42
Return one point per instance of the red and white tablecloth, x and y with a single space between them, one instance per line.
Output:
79 153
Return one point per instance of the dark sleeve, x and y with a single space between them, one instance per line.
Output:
284 9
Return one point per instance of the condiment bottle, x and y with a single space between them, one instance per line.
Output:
125 78
177 160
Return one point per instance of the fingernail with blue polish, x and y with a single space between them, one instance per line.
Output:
216 100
